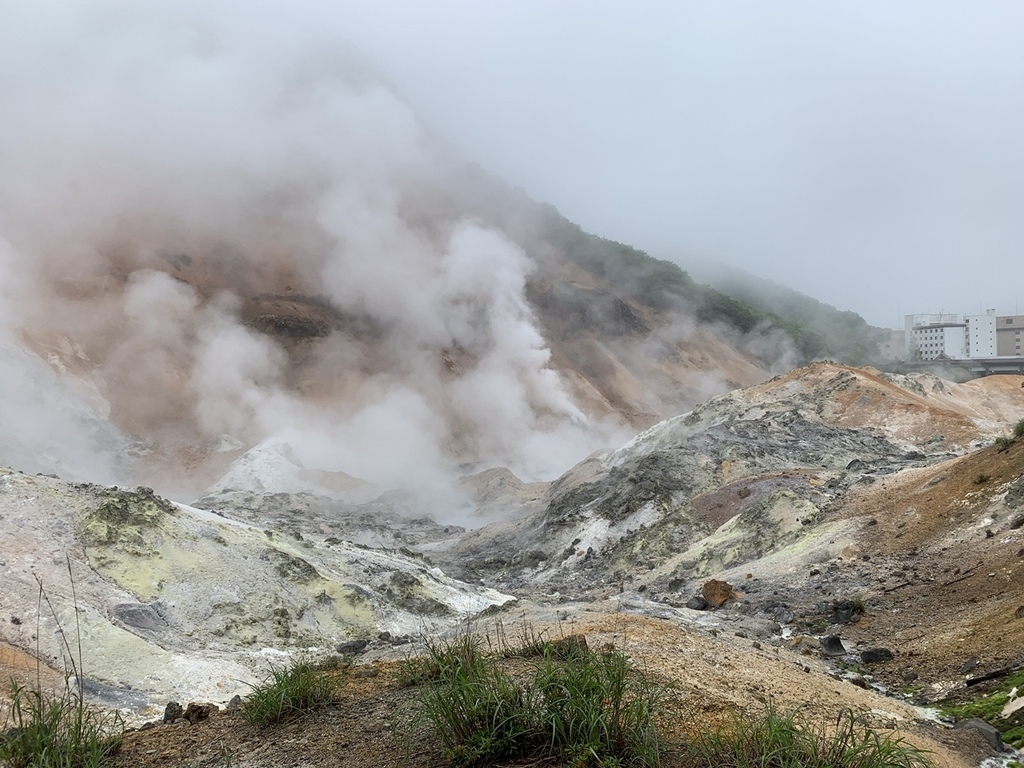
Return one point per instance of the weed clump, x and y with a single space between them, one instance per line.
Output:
288 692
784 739
1018 429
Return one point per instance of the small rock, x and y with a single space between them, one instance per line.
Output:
832 645
365 672
875 655
697 603
909 676
148 725
403 640
990 733
969 666
384 637
172 711
860 682
236 702
195 712
845 612
756 645
352 647
1019 613
15 620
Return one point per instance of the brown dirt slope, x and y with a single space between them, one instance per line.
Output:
912 408
371 721
953 553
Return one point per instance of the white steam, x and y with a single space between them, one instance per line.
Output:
175 165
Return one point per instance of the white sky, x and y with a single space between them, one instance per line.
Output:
870 154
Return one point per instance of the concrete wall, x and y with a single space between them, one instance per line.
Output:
981 334
1010 335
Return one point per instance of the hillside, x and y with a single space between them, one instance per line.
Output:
849 511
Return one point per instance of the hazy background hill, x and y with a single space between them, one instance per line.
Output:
302 259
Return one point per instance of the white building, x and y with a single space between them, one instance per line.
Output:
930 336
981 334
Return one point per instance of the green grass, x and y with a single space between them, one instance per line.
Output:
597 710
587 709
785 740
56 731
989 707
479 713
288 692
1018 429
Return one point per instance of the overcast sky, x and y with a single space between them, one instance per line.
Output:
870 154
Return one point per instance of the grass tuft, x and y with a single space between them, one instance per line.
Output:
598 710
782 739
1018 429
56 731
588 709
287 693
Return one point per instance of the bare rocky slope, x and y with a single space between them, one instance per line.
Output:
842 511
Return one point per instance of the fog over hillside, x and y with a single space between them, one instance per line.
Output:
251 158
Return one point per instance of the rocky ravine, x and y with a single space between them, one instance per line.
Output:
835 501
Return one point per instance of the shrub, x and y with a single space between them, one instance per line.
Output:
56 731
781 739
982 478
288 692
1002 443
1018 429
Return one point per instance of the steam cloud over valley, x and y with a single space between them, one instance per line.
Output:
217 235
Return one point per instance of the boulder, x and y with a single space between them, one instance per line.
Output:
717 593
991 733
875 655
352 647
831 645
172 711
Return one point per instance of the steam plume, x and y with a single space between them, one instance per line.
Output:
178 173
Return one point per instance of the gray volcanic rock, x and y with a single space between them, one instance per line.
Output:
173 599
747 474
1015 495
